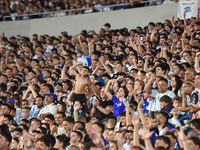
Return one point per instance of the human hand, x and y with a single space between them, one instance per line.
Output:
153 123
175 109
136 121
146 134
198 54
172 18
126 104
141 103
181 134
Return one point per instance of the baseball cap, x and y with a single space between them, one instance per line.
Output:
10 100
50 94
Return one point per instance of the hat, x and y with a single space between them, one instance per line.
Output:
58 83
100 80
50 94
65 95
10 100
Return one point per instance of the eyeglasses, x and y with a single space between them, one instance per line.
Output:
129 131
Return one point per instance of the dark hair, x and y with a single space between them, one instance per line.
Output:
194 140
83 124
100 125
162 66
196 123
45 140
165 139
62 113
79 134
166 99
50 116
69 119
89 145
178 84
9 117
3 87
64 139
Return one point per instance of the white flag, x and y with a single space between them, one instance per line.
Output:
190 7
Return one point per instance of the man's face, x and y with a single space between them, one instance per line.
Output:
189 75
58 88
197 79
73 137
39 102
159 71
3 143
5 110
48 99
162 86
123 120
44 90
5 120
3 79
192 146
59 119
9 73
188 89
160 143
176 69
41 145
25 104
96 128
34 125
84 72
67 126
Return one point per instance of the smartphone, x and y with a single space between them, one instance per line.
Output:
140 38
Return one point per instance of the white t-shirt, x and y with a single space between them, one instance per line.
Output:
158 95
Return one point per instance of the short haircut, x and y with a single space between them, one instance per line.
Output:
100 125
50 116
83 124
162 66
177 98
9 117
69 119
194 140
45 140
62 113
165 139
64 139
196 123
163 79
79 134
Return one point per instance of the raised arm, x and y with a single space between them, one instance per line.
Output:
128 122
197 69
72 71
148 85
69 98
107 90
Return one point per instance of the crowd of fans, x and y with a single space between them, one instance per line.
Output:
12 9
116 89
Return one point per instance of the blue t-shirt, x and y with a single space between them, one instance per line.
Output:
118 106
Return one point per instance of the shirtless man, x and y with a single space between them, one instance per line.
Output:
81 83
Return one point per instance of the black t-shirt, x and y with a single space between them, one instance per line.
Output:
104 104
